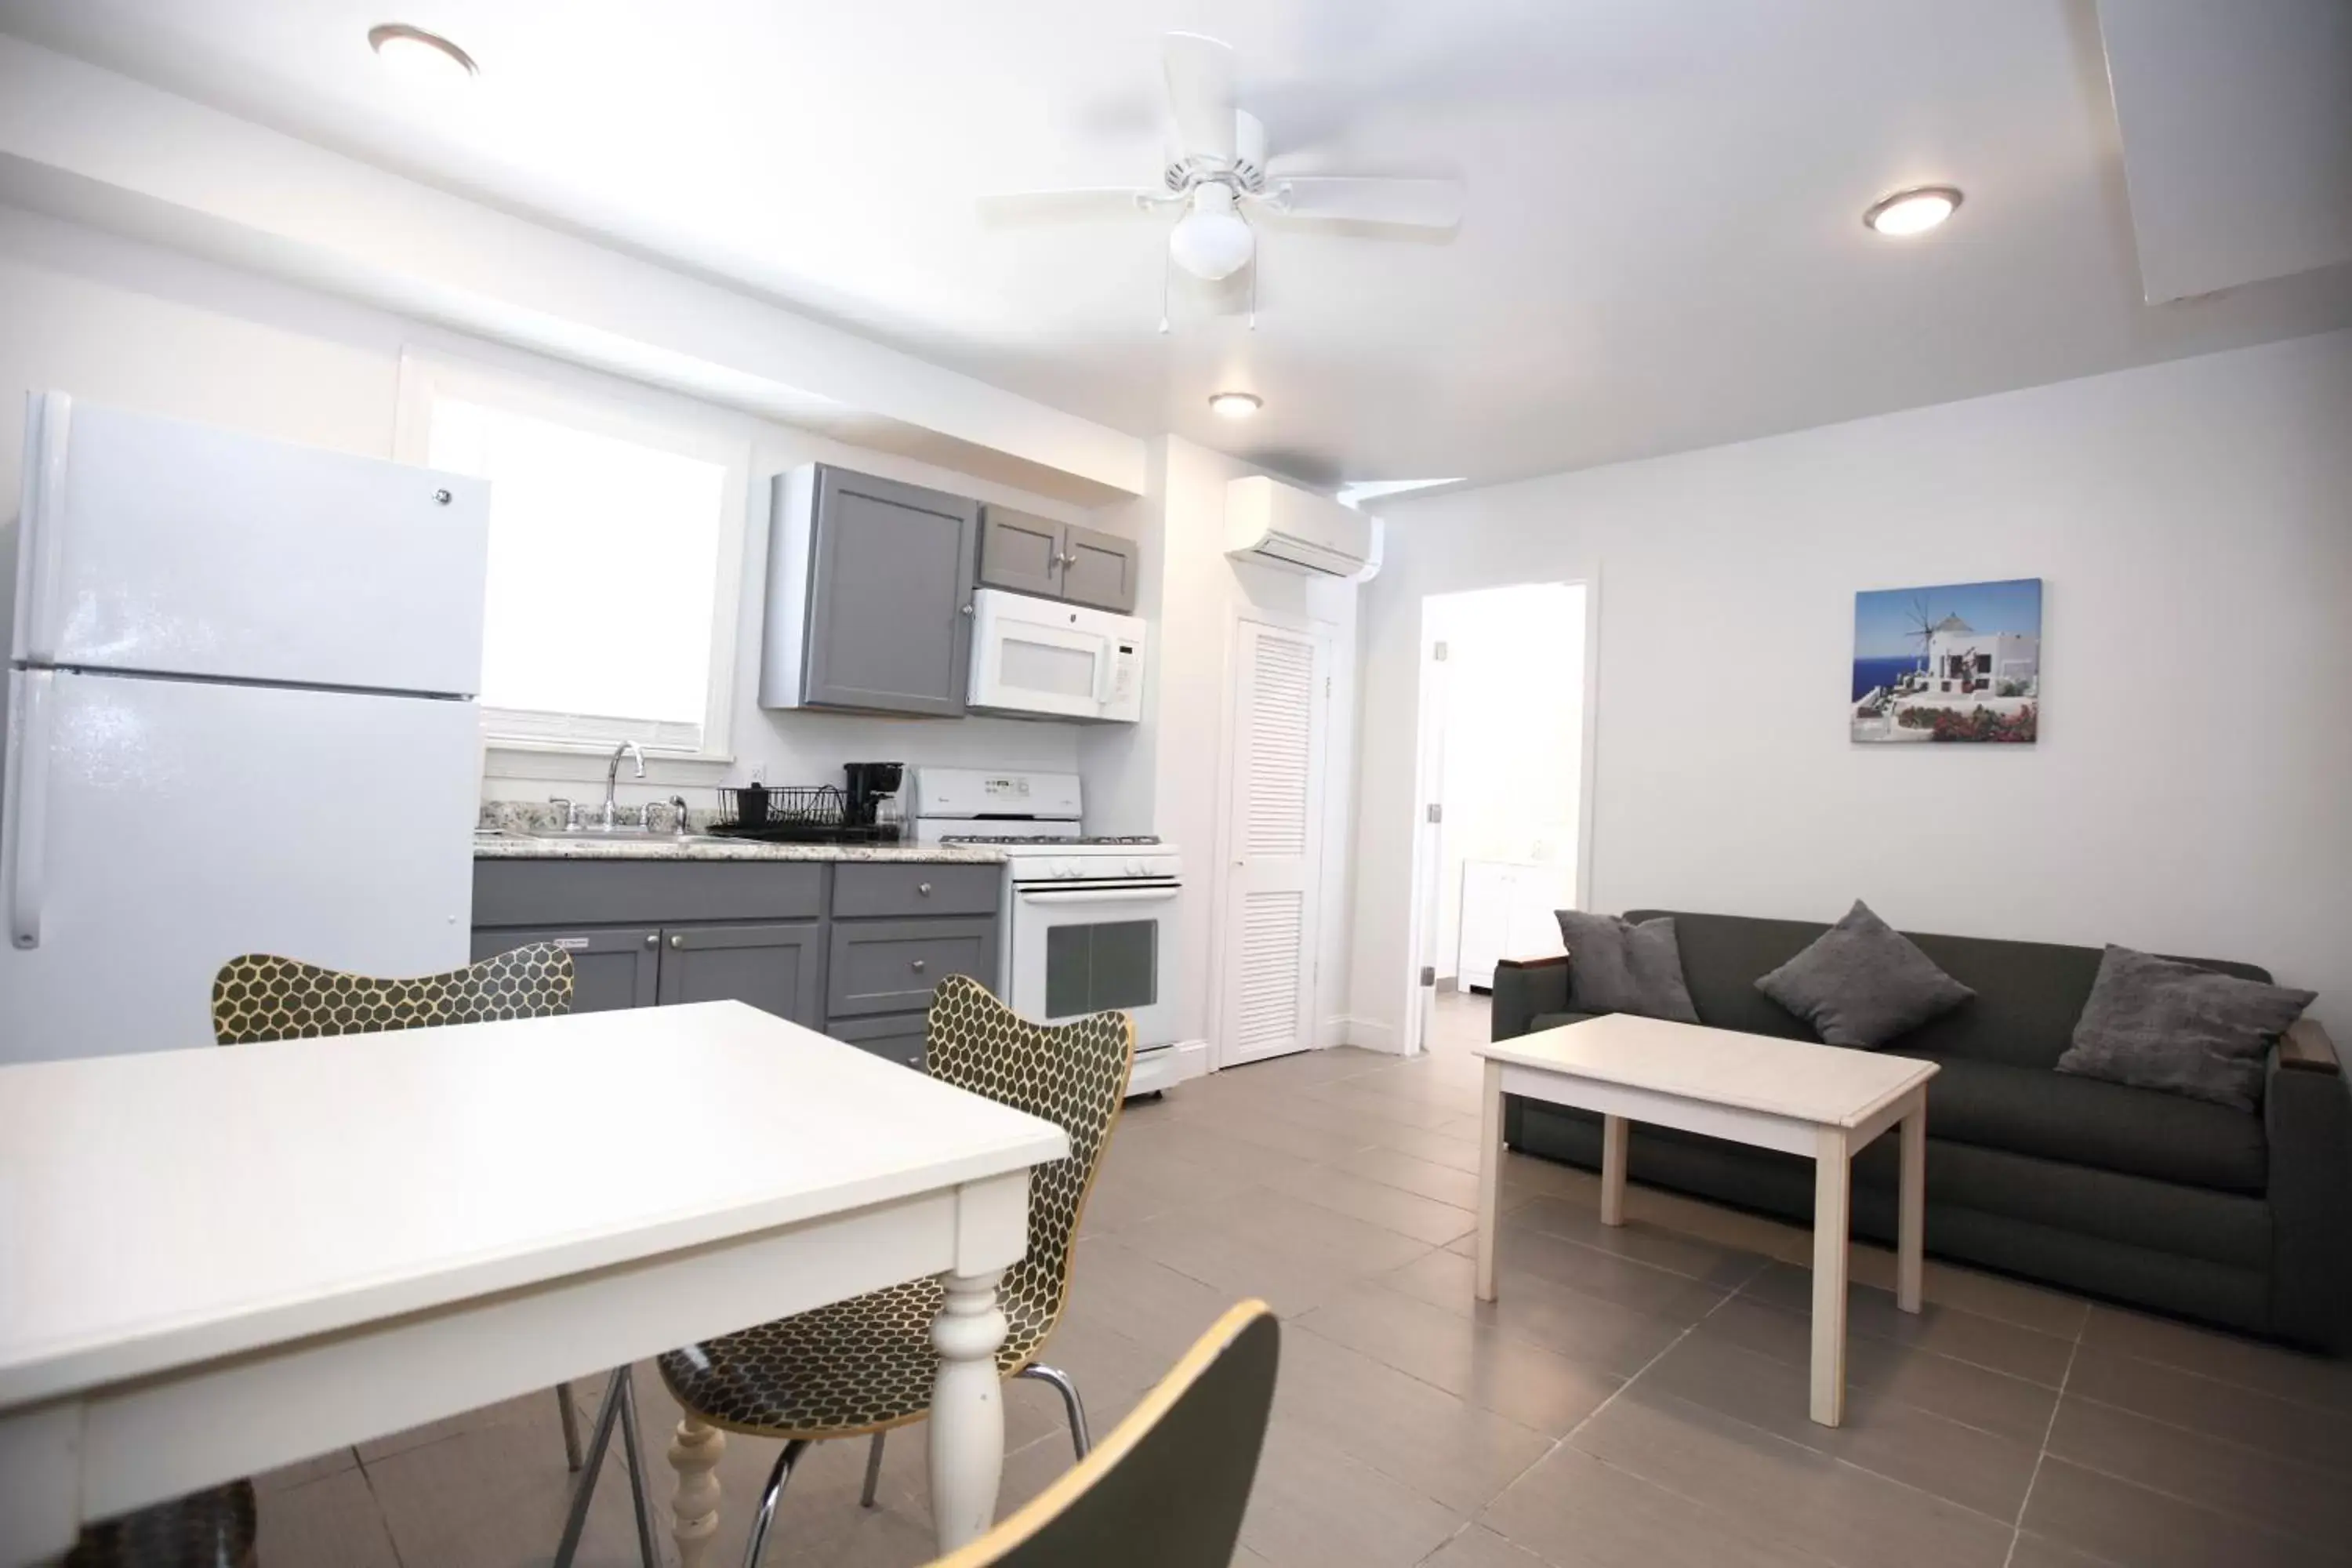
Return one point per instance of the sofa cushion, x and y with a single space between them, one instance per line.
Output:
1623 966
1862 983
1554 1020
2028 993
2156 1023
2084 1121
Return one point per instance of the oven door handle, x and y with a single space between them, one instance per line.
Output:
1098 895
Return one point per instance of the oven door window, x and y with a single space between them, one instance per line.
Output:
1111 965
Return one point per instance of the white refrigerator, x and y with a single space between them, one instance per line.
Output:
240 719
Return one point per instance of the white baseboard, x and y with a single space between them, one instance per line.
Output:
1369 1034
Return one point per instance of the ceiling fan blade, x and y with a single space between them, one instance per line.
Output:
1200 74
1064 207
1403 204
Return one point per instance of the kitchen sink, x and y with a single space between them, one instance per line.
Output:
619 835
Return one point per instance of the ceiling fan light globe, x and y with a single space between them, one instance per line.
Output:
1212 245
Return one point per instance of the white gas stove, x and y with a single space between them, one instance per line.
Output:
1089 919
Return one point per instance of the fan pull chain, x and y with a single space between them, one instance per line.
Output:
1257 263
1166 265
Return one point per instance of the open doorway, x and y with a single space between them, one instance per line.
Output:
1504 797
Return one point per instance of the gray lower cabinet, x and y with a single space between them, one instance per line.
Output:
869 595
610 968
853 948
1057 559
891 966
773 967
898 1038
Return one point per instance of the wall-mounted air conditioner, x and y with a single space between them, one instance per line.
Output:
1281 525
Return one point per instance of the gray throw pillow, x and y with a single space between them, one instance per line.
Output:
1617 967
2157 1022
1863 983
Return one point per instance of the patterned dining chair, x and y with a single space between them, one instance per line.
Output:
210 1528
858 1368
260 996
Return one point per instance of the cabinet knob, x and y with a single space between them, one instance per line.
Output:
915 963
924 888
653 939
677 941
967 609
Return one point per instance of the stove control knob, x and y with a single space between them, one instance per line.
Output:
1069 868
1137 867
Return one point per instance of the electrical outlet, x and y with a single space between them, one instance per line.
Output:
759 773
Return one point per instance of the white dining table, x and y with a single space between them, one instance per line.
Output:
214 1262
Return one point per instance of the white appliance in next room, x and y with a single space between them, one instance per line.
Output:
1041 658
1089 923
1276 524
240 720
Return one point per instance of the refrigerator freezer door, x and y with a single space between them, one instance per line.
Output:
180 824
153 544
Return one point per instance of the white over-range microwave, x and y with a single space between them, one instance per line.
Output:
1039 658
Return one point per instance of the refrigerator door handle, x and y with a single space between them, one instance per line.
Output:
47 427
28 812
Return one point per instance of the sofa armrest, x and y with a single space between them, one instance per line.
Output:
1525 988
2308 1122
2305 1048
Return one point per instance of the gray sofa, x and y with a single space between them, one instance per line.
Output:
2179 1205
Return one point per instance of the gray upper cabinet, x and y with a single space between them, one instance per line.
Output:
1057 559
1098 569
869 595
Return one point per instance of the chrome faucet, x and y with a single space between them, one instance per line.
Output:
612 779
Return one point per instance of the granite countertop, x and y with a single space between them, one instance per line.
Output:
504 834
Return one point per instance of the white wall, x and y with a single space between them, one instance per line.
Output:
146 328
1167 776
1511 770
2200 509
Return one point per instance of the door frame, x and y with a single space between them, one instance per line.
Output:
1327 637
1425 840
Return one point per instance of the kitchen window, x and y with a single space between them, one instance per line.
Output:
616 560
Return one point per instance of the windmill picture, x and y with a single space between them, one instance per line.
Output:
1961 662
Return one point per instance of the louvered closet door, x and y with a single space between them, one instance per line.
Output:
1280 722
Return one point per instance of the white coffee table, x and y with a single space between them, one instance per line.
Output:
1823 1101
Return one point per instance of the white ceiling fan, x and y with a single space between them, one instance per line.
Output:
1218 173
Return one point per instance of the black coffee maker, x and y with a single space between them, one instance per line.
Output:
869 784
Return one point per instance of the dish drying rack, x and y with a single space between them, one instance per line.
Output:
797 813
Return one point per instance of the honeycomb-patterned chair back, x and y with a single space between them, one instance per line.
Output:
260 996
1073 1075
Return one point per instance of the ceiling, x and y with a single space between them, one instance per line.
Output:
1662 246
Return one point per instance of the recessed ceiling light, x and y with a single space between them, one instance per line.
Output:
1914 211
1235 404
413 52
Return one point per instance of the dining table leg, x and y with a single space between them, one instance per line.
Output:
694 1454
1490 1175
967 1425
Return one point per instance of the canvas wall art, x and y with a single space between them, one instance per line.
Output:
1959 662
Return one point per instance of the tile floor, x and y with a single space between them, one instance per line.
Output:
1636 1397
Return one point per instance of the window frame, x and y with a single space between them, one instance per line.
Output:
425 377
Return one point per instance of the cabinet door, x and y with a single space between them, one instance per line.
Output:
773 967
1019 552
889 611
1098 569
898 1038
610 969
891 966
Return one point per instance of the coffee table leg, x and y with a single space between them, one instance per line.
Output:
1613 1134
1490 1175
1911 1223
1832 1190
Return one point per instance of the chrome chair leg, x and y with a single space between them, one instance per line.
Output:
571 1414
620 1406
1069 1393
873 1469
634 1452
771 1497
592 1462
